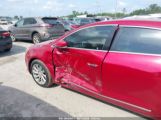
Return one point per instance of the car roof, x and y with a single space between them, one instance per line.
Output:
140 23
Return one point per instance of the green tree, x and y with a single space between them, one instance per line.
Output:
154 8
139 12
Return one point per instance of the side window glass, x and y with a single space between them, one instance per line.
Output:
29 21
91 38
138 40
20 23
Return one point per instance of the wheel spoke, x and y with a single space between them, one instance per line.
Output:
44 75
43 80
39 74
36 75
35 71
36 39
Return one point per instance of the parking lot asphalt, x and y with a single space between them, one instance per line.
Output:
21 96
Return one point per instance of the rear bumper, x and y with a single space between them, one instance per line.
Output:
5 44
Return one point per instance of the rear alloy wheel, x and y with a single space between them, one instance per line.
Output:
41 74
13 37
36 38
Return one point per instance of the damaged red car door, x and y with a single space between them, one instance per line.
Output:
78 63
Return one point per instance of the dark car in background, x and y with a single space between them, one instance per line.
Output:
69 25
5 40
83 21
37 29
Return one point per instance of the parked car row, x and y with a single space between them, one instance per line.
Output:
76 23
37 29
68 25
5 20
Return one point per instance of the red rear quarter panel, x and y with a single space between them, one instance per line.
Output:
135 79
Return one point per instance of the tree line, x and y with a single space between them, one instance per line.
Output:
153 8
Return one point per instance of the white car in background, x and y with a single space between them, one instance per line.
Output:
144 17
158 16
3 22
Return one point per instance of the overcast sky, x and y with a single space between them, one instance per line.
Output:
64 7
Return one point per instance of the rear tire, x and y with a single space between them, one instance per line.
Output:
7 50
41 74
36 38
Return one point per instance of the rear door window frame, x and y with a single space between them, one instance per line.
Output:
129 52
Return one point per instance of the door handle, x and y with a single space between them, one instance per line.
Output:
92 65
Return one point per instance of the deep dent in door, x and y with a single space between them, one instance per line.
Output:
71 67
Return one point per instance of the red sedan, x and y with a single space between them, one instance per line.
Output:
116 61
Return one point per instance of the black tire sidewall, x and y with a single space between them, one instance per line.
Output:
7 50
48 82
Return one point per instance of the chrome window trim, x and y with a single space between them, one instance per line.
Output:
87 49
115 25
135 53
113 99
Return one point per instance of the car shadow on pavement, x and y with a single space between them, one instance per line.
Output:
107 103
15 103
16 49
25 41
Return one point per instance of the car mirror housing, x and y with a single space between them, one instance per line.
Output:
61 44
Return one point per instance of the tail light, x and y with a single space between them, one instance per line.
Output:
5 34
47 25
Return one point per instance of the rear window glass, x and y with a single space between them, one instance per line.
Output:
138 40
50 20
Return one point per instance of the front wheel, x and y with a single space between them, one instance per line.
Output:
36 38
41 74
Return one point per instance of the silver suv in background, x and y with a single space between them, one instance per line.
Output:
37 29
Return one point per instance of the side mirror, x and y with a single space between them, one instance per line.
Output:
61 44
